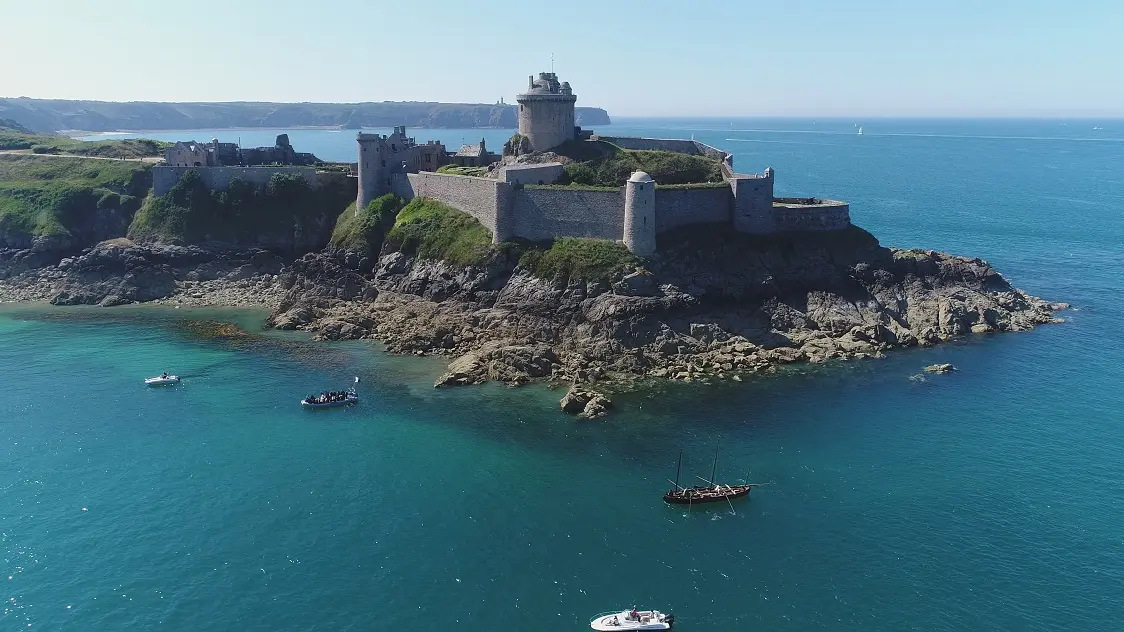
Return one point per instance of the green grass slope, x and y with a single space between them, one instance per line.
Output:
603 164
49 196
364 231
434 230
127 148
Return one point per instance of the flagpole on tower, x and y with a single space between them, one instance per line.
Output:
552 62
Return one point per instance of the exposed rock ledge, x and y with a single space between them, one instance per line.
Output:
118 272
725 310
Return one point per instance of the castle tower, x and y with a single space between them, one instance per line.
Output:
753 204
640 214
546 112
371 169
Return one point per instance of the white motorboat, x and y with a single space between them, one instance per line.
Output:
162 380
633 620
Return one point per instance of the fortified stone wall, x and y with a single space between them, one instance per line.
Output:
476 196
219 178
711 152
676 145
541 214
682 207
790 215
753 203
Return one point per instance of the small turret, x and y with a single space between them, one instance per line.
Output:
640 214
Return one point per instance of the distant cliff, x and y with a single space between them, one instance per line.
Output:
50 115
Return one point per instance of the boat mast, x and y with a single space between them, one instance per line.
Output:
714 468
677 467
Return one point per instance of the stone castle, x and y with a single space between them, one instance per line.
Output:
512 200
511 203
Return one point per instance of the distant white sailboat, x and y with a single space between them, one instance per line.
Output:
860 131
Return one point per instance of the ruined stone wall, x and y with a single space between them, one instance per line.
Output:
682 207
476 196
219 178
182 156
826 215
541 214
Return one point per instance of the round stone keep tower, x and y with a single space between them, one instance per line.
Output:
640 214
546 112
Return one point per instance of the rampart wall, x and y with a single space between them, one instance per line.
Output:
790 214
711 152
676 145
219 178
541 214
476 196
681 207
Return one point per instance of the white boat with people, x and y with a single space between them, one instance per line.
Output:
162 380
331 399
633 620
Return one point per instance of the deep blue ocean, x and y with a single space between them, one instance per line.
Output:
987 499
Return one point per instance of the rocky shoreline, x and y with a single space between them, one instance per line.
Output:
118 272
721 310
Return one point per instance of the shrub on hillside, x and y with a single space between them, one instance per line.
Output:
458 170
578 258
190 212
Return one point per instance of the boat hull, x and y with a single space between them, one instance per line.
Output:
616 621
345 402
696 496
161 381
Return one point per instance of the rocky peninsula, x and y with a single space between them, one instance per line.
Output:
726 311
425 278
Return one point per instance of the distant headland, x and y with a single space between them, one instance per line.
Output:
52 115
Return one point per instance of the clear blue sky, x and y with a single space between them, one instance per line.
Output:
658 58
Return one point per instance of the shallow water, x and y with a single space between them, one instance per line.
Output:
987 499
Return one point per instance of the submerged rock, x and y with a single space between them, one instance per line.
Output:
585 403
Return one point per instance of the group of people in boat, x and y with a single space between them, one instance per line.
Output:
633 615
328 397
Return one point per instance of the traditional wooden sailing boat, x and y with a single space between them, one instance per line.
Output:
714 492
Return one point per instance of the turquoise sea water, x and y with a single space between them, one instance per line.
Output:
987 499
